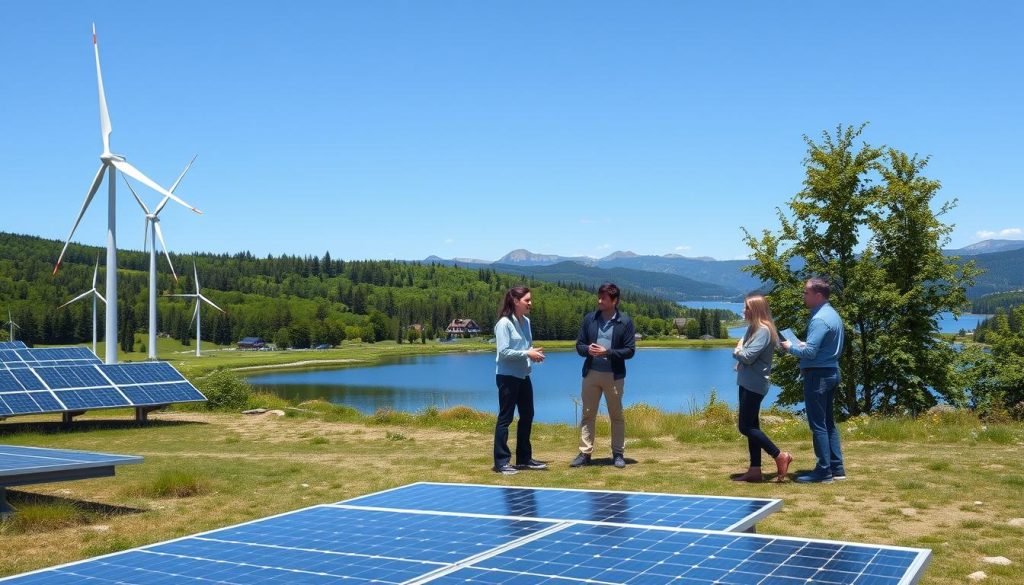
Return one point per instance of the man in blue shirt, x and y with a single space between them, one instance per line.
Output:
819 367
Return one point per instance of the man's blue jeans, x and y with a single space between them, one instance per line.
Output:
819 395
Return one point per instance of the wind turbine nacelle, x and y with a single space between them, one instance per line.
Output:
109 156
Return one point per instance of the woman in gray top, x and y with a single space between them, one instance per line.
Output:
753 354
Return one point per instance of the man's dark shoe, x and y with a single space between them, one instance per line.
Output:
533 464
506 469
581 460
618 460
814 478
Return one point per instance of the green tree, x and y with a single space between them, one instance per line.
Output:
880 245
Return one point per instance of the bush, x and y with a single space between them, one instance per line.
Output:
225 390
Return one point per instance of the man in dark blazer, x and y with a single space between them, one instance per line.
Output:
607 339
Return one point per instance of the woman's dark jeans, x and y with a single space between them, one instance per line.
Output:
750 427
513 393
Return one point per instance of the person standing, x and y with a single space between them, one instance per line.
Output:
606 340
819 367
753 354
515 351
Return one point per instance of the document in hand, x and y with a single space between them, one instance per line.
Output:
789 336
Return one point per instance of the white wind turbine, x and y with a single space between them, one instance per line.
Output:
109 163
151 233
200 299
10 321
95 294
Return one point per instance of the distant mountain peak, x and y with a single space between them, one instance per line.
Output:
620 254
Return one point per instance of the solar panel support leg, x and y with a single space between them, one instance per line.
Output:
142 413
5 509
69 416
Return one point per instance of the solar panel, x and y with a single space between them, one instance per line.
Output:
707 512
72 379
17 460
12 344
346 542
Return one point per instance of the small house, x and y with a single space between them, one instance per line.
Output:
462 328
252 343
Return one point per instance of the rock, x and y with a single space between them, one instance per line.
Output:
275 413
997 560
977 576
1019 522
978 503
908 512
941 409
254 411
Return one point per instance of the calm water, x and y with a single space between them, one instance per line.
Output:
947 322
674 380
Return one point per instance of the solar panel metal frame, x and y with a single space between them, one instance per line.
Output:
449 571
771 506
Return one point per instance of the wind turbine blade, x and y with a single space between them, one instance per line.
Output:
194 314
211 303
105 128
96 272
136 195
191 296
85 205
160 234
196 273
126 168
178 180
78 298
99 296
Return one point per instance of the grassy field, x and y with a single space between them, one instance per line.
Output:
945 482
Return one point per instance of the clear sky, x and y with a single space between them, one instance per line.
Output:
393 129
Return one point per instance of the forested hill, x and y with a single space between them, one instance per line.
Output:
293 301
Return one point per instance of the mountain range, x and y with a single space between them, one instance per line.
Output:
684 278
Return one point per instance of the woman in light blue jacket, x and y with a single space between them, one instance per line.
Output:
753 354
514 340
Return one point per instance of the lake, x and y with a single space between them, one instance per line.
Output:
674 380
947 322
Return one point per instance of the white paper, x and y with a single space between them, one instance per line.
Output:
789 336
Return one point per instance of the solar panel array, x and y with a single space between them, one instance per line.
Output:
12 345
353 543
72 379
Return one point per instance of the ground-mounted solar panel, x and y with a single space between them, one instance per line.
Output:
72 380
606 507
343 543
12 345
609 554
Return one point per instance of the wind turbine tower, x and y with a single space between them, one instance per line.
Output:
95 294
109 162
10 321
152 232
200 299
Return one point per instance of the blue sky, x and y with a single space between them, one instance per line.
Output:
467 129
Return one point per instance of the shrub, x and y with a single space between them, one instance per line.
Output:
175 483
225 390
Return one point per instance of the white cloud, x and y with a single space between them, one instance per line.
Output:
449 241
683 248
1004 233
604 246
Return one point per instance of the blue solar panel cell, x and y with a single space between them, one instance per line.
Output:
46 401
701 512
8 383
12 344
21 403
28 379
168 393
91 398
116 374
9 355
4 409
